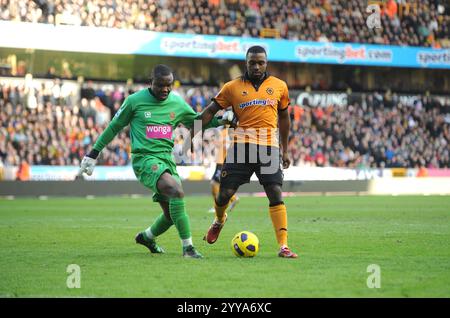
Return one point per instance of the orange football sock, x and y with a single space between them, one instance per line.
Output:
220 212
233 198
278 214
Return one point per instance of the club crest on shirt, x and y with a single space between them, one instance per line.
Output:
172 115
148 115
269 91
223 174
244 93
155 167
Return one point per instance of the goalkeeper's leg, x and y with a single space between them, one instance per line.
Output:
169 186
162 223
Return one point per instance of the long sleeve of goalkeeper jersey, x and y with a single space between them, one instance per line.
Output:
120 120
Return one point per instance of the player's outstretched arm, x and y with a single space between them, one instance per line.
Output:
120 120
208 113
284 124
207 118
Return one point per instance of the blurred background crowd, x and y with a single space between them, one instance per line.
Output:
55 123
412 22
378 132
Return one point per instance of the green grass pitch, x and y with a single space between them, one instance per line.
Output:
337 238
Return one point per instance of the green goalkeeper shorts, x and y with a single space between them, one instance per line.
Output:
149 168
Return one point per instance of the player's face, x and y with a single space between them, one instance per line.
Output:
256 65
161 86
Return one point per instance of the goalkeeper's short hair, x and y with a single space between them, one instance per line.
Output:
160 70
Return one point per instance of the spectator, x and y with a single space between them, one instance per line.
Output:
391 9
23 173
425 24
376 131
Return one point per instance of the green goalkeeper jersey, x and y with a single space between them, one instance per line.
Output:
152 122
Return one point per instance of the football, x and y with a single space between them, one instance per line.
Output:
245 244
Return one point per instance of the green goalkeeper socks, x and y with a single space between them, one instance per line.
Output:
158 227
179 217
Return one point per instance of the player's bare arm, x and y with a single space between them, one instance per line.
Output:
284 124
209 112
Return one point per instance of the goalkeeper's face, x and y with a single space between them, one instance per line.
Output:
161 86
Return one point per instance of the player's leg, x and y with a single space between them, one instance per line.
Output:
220 206
147 170
170 186
214 192
270 177
215 186
234 200
159 174
278 215
232 177
235 172
162 223
222 201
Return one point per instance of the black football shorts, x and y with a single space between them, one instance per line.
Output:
245 159
217 172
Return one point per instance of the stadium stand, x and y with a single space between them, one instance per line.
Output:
414 23
376 133
54 125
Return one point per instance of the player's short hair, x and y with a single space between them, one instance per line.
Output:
160 70
256 49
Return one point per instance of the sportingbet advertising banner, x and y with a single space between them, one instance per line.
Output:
109 173
118 41
68 173
104 173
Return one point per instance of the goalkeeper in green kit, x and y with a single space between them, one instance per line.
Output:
153 114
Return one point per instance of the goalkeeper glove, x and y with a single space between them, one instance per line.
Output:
229 118
87 165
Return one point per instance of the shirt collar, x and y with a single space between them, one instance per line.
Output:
255 83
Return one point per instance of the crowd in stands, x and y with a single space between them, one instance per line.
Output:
51 123
378 131
412 22
47 124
